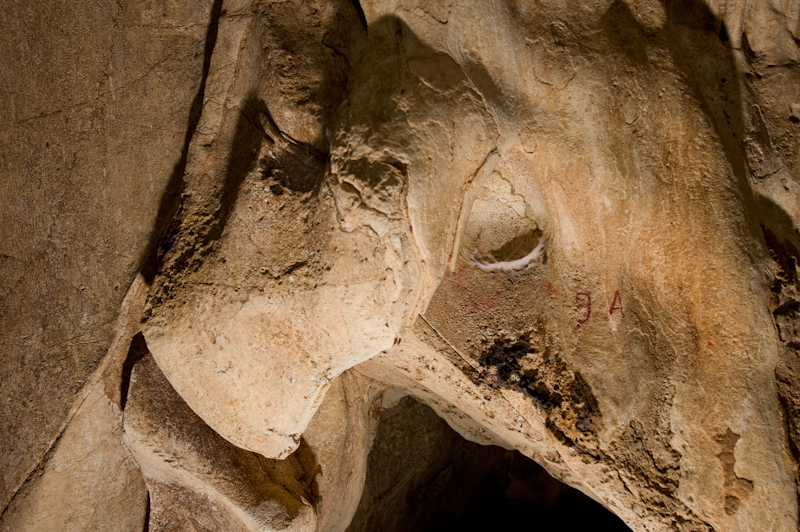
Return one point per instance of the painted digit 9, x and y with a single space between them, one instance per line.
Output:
584 300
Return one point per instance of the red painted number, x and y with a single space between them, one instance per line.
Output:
584 300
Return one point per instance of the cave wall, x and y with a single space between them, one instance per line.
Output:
98 101
571 229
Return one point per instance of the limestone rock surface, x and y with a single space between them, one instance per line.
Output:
569 228
95 104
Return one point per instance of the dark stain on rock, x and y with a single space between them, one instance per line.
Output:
573 414
647 453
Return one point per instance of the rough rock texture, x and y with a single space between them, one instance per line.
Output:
569 228
196 478
96 98
178 453
88 479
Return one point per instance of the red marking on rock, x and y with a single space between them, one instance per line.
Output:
548 286
614 306
584 300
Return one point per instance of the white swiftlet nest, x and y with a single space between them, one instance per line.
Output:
488 263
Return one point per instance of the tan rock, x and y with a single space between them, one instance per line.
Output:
197 479
342 258
195 476
95 105
569 228
88 480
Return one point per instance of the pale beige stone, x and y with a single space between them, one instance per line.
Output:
340 436
569 228
197 479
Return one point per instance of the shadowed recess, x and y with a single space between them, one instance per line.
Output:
423 476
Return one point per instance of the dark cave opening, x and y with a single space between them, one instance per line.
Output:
423 476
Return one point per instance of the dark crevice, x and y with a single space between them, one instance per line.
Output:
788 419
360 13
723 33
136 352
787 308
171 198
146 524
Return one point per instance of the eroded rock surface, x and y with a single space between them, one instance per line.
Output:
570 229
96 105
198 479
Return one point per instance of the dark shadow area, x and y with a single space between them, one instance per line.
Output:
701 46
194 231
195 209
136 352
423 476
288 163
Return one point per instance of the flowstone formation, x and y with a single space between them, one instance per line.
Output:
567 229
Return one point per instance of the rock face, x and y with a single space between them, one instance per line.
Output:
570 229
96 101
